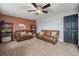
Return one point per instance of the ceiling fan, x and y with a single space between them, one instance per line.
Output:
40 9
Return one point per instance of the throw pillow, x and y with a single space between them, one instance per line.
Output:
41 33
23 33
53 34
29 33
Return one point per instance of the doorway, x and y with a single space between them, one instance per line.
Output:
71 29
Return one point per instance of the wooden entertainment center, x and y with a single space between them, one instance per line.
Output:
6 31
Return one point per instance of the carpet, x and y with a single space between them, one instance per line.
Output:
36 47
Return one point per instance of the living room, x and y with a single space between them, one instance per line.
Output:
34 29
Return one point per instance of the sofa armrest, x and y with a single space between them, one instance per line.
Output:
53 40
37 34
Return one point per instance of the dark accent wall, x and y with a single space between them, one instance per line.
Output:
17 20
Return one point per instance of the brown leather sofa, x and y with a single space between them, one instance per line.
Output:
22 35
49 35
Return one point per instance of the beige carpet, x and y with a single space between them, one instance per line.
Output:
36 47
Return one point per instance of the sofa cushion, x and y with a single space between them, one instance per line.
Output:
54 34
41 33
44 32
29 33
18 33
48 33
23 33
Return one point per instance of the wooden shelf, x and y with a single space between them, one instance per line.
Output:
6 30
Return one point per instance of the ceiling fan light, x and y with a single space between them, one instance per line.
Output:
39 11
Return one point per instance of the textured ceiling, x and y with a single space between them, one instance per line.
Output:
20 9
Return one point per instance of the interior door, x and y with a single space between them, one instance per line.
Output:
71 29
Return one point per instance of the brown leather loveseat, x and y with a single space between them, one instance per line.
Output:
21 35
49 35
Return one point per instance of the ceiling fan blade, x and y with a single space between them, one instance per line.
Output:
34 4
30 10
45 11
45 6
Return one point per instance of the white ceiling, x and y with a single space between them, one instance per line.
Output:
20 9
